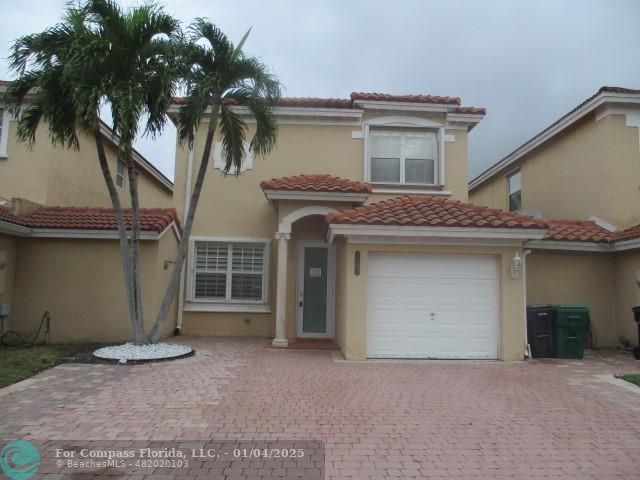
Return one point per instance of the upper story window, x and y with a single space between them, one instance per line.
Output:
403 157
230 271
121 172
514 187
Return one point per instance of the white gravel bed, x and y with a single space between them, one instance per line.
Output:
129 351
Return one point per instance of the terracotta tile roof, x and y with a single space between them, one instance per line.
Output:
316 183
431 212
578 231
85 218
472 110
7 216
385 97
629 234
313 102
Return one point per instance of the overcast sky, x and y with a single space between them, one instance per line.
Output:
527 62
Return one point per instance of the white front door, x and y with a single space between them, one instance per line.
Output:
432 306
316 266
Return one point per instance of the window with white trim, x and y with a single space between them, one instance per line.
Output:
514 188
121 172
230 271
403 157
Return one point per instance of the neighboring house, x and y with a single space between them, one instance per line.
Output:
58 243
356 228
57 176
585 166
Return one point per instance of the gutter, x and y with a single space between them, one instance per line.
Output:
527 346
22 231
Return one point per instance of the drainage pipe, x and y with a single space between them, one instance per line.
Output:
527 347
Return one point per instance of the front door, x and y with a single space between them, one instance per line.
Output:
314 285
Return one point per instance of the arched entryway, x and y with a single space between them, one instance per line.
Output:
310 276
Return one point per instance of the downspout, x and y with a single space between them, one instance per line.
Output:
183 275
527 347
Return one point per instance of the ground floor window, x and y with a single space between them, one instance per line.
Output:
230 271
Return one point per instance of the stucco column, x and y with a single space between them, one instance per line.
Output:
281 292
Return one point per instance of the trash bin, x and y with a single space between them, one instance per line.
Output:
572 323
540 326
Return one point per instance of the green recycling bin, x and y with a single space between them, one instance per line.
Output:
572 324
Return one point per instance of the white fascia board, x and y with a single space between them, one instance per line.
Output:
316 112
619 246
346 113
174 228
138 159
623 245
465 117
489 242
13 229
434 232
316 196
568 246
86 234
550 132
406 106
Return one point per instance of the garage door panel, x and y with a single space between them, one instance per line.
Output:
432 306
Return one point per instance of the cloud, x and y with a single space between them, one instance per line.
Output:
527 62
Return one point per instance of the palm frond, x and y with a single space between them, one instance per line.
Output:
232 132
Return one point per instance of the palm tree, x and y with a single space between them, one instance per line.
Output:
221 83
100 56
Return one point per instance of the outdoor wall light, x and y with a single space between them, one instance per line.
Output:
516 266
356 264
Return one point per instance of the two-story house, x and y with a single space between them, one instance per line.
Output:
357 228
58 241
584 166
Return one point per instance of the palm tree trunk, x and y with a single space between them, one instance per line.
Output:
122 228
138 327
174 281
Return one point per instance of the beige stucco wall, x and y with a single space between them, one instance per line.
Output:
235 206
301 149
492 193
263 324
352 294
592 168
80 283
8 246
576 278
627 293
56 176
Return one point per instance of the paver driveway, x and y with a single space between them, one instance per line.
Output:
543 419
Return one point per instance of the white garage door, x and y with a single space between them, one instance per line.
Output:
432 306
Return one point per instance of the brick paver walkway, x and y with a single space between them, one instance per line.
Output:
542 419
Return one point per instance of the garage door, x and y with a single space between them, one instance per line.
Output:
432 306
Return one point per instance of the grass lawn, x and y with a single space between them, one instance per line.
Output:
631 378
18 363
